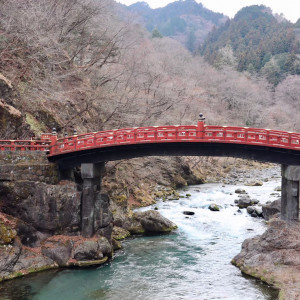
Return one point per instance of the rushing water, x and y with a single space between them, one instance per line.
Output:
191 263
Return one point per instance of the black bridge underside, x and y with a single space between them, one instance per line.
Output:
111 153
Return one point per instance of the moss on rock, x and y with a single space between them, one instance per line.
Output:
7 234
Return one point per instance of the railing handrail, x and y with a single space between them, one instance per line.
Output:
158 134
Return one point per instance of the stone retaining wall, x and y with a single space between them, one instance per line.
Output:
32 166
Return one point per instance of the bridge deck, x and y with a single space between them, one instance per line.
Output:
184 135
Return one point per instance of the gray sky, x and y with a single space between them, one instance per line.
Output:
290 8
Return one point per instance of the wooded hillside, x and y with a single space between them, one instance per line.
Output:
256 41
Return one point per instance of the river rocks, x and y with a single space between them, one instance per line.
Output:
57 250
214 207
270 210
240 191
120 233
153 222
188 213
133 225
104 246
87 250
258 211
255 211
244 202
255 183
250 209
65 249
274 257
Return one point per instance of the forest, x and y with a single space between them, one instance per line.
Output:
258 42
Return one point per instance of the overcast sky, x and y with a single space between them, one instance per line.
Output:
290 8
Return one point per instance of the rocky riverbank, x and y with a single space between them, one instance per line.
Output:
40 220
274 257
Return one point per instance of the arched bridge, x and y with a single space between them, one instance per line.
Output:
201 140
91 150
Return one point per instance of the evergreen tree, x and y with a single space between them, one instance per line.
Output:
156 34
191 40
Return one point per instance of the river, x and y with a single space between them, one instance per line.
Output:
191 263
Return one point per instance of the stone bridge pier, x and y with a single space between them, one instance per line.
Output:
95 213
290 192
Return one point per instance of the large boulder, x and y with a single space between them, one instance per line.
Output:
274 257
244 202
58 250
153 221
271 209
120 233
104 246
87 250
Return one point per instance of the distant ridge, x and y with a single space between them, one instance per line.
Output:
187 21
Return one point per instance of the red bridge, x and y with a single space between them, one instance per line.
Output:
206 140
91 150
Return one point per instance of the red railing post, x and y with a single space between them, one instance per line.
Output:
53 142
200 129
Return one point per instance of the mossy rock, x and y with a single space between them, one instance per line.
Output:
116 245
120 233
214 207
121 200
7 234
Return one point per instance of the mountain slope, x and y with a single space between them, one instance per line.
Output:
186 21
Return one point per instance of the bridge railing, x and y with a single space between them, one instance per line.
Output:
158 134
24 145
180 133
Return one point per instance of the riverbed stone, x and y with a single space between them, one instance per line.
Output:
104 246
244 202
250 209
240 191
87 250
258 211
255 183
153 221
214 207
59 251
188 213
120 233
271 209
